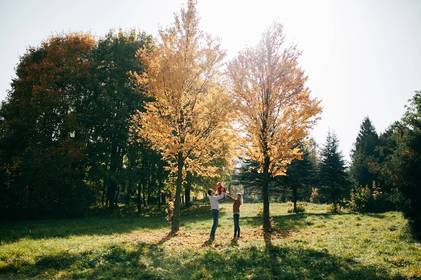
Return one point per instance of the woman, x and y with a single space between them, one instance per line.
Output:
236 214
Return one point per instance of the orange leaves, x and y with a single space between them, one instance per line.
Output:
190 110
60 58
192 113
274 107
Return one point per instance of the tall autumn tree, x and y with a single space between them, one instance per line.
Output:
274 105
188 119
43 149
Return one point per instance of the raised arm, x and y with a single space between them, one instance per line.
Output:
230 197
219 197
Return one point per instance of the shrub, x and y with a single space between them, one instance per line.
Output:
299 209
314 196
373 199
361 198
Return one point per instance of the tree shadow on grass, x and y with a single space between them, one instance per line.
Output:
60 228
84 226
288 222
150 261
375 215
283 222
109 263
274 262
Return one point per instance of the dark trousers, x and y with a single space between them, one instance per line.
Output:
236 225
215 215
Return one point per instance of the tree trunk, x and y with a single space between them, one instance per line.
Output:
175 224
144 194
111 192
187 190
129 192
148 193
138 201
115 166
265 196
29 201
266 163
104 191
117 194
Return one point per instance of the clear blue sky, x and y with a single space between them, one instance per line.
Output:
363 57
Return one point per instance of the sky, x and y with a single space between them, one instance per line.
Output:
362 57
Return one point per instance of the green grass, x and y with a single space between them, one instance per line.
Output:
312 245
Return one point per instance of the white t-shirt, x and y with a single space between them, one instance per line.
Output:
214 200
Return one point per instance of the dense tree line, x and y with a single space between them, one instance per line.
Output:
64 129
317 171
386 168
383 173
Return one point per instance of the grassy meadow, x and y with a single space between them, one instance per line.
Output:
312 245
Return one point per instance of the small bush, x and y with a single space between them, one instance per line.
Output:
373 199
361 198
299 209
314 196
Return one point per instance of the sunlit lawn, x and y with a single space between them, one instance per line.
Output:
314 245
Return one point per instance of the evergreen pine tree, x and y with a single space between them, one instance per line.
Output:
334 184
301 174
363 155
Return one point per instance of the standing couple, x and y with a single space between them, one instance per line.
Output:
214 197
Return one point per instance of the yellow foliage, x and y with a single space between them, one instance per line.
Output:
189 117
274 107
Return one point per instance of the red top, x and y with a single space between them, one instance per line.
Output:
220 189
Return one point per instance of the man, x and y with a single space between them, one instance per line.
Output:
214 202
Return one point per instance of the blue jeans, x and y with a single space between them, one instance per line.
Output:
236 225
215 215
